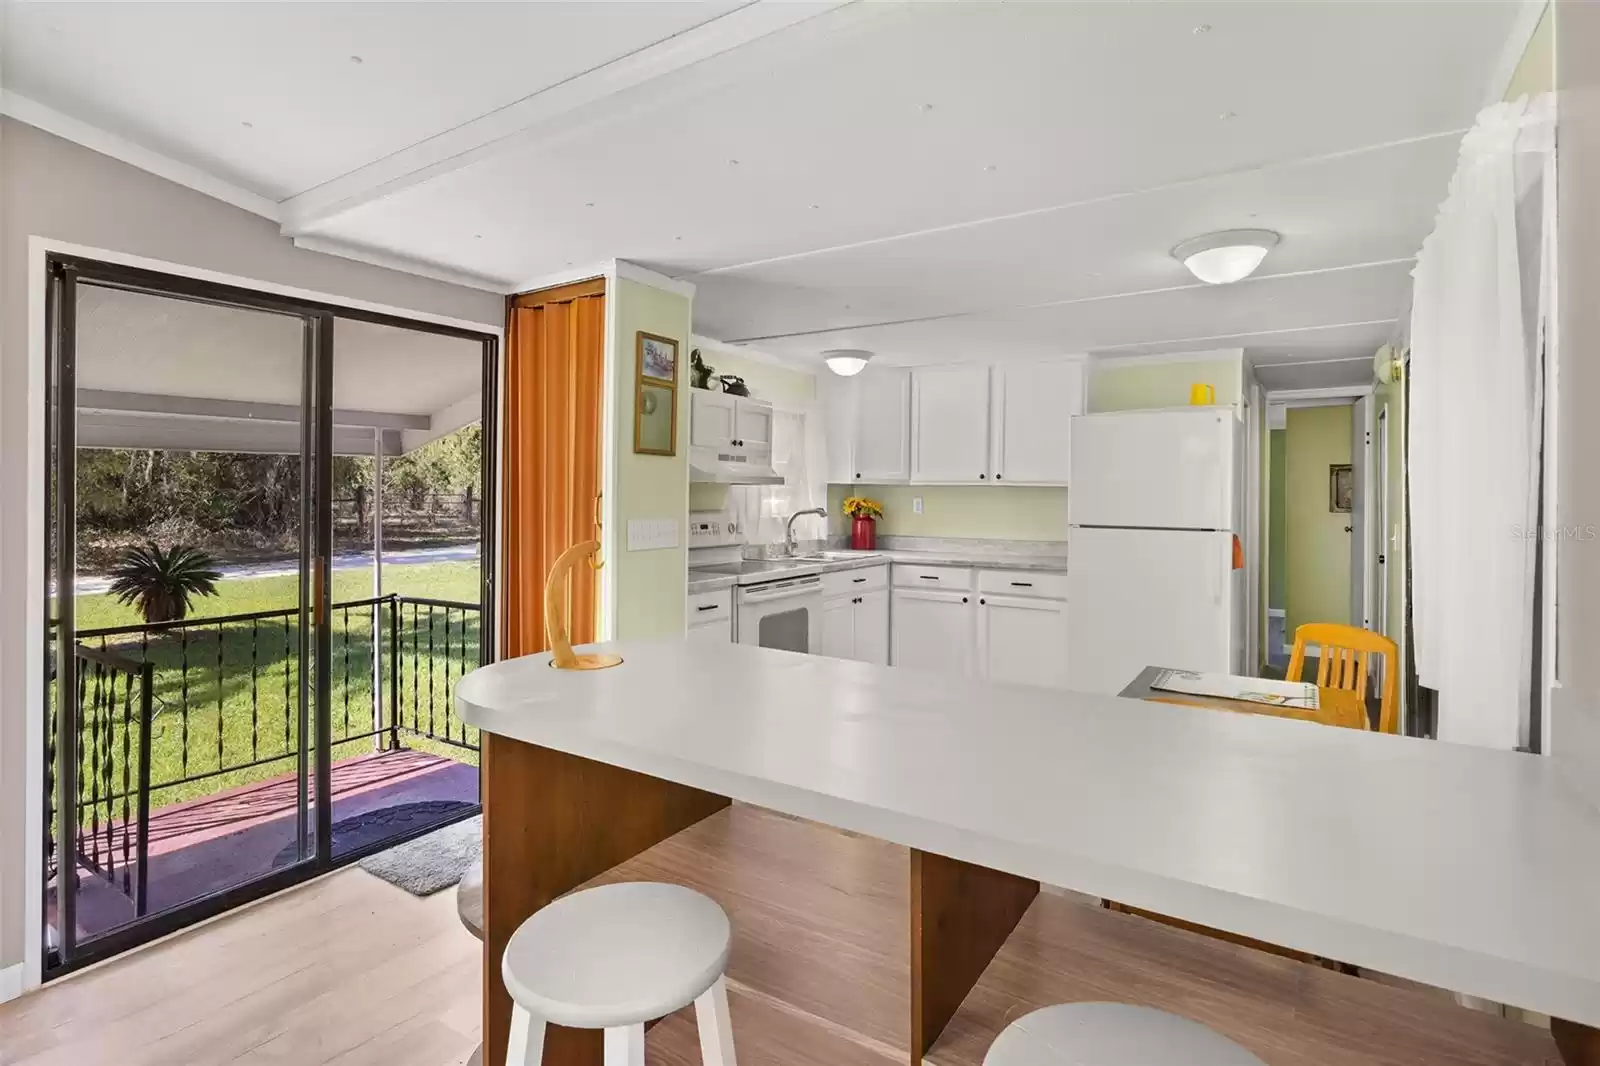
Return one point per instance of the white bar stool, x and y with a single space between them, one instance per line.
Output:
1112 1034
613 958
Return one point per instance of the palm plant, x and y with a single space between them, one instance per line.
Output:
163 582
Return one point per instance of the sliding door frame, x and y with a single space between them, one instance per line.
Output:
60 267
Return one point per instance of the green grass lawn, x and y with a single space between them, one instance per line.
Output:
226 693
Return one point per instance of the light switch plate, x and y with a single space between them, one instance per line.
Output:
649 534
916 505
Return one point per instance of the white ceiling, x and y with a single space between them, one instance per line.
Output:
931 181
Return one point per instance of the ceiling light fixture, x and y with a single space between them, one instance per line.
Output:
1226 257
846 362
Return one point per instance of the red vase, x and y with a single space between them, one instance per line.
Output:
864 534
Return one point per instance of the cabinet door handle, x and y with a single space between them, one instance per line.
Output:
963 599
997 477
858 580
1022 584
981 602
858 477
927 577
708 607
856 600
982 476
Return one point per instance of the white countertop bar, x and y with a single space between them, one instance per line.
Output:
1473 870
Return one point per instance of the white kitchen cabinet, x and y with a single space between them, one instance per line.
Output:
872 628
932 629
950 424
840 400
1022 640
711 633
839 627
721 420
882 425
856 625
752 423
709 617
1031 407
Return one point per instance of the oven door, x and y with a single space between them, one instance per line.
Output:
786 615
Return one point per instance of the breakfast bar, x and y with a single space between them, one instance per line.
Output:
1465 869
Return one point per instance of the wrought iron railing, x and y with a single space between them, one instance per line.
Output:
224 691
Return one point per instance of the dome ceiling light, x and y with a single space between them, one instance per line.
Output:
846 362
1226 257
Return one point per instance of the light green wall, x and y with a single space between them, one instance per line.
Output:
1318 573
1536 71
650 585
1277 517
784 388
993 511
1127 386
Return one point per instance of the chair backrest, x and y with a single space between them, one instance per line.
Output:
1345 652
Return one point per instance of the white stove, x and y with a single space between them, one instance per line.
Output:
777 602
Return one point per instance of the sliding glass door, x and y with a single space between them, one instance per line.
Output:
229 675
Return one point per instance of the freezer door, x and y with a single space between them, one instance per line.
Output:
1161 469
1148 597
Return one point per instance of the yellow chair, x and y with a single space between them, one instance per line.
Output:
1342 666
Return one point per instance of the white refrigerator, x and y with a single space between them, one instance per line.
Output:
1153 504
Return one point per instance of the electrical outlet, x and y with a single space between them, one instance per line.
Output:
916 505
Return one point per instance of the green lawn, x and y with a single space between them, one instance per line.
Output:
226 693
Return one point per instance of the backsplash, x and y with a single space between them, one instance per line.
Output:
999 512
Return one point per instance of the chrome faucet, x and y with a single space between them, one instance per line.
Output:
789 544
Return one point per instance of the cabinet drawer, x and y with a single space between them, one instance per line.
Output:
1046 583
854 582
932 577
706 607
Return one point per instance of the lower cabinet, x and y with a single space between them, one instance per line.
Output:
709 617
1022 640
711 633
857 627
933 630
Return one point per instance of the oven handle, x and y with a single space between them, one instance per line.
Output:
782 590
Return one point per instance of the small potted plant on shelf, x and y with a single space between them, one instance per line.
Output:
864 515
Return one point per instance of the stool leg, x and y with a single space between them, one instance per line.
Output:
625 1046
716 1026
526 1046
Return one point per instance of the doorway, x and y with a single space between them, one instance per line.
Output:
269 549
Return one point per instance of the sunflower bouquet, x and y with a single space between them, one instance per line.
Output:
862 507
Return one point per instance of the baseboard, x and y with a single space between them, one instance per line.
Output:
11 982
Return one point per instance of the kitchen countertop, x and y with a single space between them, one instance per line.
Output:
710 579
1464 868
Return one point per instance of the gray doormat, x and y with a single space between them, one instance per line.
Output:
430 863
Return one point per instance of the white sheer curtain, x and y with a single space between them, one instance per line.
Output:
796 455
1477 389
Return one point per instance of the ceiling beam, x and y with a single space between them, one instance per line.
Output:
547 113
247 410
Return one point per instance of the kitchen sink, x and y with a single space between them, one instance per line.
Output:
829 557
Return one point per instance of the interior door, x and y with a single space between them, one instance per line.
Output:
1362 564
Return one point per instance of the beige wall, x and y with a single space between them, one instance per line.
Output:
649 586
990 511
51 188
1575 726
1536 71
1317 573
1155 381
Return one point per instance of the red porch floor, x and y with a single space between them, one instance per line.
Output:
203 846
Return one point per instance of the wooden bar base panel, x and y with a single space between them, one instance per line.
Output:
551 822
961 915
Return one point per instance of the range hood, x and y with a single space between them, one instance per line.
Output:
731 466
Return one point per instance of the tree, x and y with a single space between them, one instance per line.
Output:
162 582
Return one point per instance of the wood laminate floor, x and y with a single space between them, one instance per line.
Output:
350 970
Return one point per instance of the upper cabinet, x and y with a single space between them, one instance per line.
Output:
721 420
882 445
950 424
1031 407
979 424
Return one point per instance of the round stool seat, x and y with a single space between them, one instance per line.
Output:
469 899
617 955
1112 1034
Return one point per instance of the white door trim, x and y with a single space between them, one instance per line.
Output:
33 593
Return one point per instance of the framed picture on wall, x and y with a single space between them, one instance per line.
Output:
1341 487
655 401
